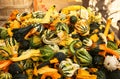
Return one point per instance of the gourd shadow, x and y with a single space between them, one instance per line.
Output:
100 5
102 8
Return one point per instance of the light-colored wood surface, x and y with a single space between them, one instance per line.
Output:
7 6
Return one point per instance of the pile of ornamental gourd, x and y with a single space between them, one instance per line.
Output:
73 43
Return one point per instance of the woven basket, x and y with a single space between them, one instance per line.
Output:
7 6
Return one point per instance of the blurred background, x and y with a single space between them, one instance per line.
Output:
108 8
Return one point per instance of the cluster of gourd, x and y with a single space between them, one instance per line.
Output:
72 43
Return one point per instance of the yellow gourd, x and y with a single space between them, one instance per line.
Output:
83 74
107 27
111 36
94 37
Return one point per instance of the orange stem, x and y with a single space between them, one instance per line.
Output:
108 50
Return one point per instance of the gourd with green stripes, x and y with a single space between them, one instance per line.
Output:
5 75
82 28
11 41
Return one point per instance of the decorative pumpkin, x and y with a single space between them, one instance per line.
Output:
68 68
87 42
5 75
50 37
111 63
35 41
84 57
82 28
74 45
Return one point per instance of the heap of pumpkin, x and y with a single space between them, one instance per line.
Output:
74 43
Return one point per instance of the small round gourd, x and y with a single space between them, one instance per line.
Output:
5 75
87 42
68 68
82 28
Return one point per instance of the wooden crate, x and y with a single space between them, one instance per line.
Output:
7 6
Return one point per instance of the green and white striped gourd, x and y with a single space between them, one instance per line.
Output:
82 28
87 42
68 68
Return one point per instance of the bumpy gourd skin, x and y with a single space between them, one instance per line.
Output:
68 68
111 63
